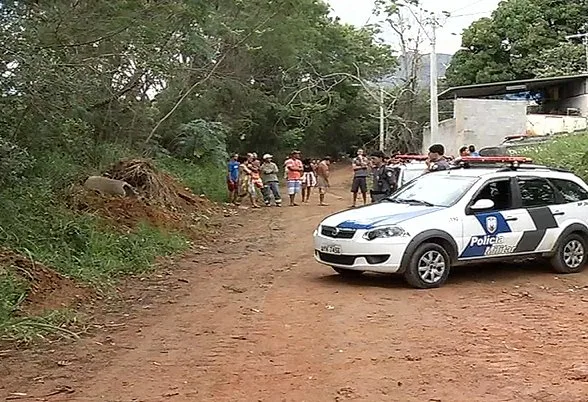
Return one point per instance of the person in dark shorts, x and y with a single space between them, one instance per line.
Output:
360 174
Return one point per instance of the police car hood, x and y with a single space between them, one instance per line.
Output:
381 214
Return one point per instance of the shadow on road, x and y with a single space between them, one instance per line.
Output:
490 273
500 273
365 280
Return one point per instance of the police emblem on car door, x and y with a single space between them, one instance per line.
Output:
491 224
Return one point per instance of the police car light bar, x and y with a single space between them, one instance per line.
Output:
411 157
495 159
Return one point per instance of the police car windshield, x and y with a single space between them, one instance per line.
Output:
433 189
412 173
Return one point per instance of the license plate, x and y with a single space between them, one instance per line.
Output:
331 249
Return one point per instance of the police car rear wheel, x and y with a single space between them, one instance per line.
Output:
348 273
428 267
570 256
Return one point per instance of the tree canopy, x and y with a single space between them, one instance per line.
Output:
523 39
266 75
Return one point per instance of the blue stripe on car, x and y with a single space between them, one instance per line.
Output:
394 219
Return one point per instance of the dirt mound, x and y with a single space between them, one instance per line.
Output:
154 185
162 201
49 290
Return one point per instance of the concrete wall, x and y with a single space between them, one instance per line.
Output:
482 122
545 124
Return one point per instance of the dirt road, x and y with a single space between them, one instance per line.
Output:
256 319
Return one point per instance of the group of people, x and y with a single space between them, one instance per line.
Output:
248 176
385 172
468 151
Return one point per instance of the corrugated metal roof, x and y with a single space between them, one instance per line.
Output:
506 87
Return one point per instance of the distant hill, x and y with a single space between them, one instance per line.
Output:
443 61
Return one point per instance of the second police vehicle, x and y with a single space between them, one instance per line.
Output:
409 167
487 208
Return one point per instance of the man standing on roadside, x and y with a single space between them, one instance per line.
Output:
322 180
360 173
294 170
269 175
385 179
233 178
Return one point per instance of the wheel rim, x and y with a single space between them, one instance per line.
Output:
431 267
573 254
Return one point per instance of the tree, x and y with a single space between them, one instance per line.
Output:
408 104
272 74
516 42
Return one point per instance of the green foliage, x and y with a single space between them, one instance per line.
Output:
522 39
30 329
567 152
12 293
14 162
565 59
203 141
33 222
209 180
87 83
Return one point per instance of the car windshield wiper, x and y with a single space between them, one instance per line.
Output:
420 202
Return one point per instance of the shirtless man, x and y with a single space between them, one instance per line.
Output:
322 173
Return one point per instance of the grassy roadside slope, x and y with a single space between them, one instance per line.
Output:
567 152
36 224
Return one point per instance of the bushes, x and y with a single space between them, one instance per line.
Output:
209 180
14 162
568 152
33 221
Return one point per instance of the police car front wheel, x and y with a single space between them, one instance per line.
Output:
570 256
428 266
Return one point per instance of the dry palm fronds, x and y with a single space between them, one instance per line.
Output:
145 177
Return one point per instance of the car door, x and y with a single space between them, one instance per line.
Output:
573 205
495 232
552 204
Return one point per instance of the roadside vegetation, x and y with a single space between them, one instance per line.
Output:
566 152
172 87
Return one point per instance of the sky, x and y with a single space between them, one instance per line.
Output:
464 12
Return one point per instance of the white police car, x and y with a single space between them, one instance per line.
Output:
409 167
489 208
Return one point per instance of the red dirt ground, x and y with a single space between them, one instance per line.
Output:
252 317
48 289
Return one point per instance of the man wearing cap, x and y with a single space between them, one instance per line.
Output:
294 171
271 183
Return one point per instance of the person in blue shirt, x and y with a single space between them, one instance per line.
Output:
233 178
473 151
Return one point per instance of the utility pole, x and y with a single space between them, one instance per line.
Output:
584 37
382 131
433 72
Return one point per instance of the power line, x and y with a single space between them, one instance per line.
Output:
468 6
468 15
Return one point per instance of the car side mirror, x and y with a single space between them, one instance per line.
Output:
483 204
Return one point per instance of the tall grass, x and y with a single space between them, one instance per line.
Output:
567 152
209 180
35 222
